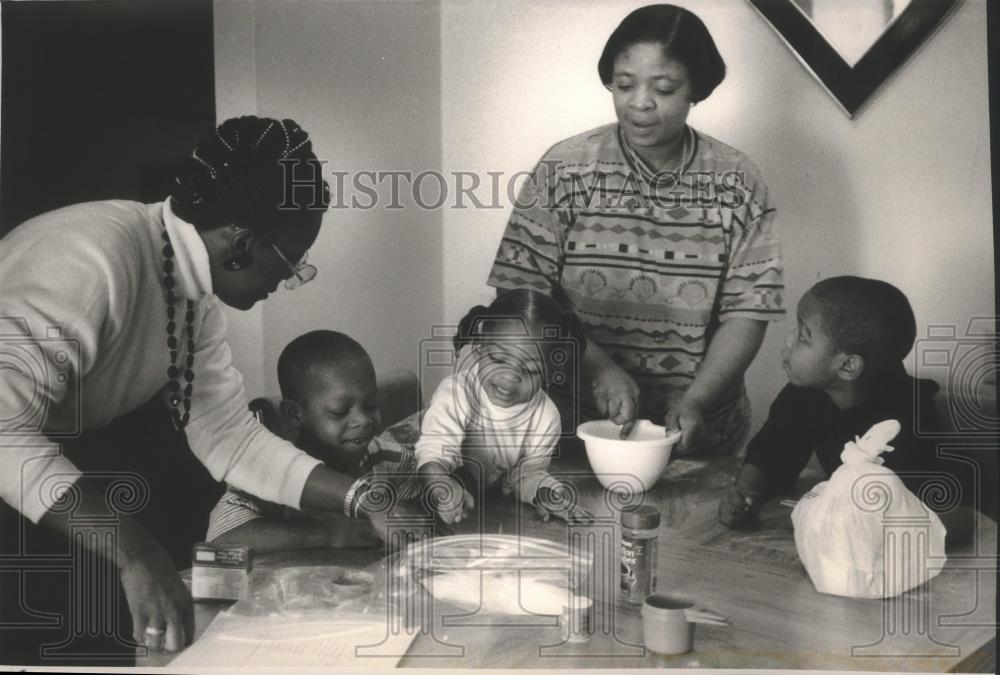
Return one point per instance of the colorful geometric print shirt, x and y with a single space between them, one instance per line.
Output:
652 263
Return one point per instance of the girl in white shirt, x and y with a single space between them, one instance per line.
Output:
492 420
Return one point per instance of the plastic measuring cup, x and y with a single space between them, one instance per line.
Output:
665 625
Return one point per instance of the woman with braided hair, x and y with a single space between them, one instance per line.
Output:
135 290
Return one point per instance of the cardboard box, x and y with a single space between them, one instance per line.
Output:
220 572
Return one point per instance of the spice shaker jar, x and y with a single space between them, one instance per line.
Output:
639 527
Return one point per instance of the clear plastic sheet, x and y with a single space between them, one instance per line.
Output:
292 592
500 574
329 615
315 616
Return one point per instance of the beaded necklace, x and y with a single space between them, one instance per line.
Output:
178 398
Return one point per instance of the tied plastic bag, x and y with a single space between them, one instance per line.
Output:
863 534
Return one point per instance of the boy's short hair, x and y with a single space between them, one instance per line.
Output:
867 317
308 350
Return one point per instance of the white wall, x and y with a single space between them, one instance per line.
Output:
235 95
901 193
363 79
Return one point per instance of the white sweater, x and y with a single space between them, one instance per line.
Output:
94 273
513 445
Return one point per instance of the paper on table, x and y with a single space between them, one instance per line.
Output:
278 641
497 592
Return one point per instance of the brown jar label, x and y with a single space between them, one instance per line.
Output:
638 569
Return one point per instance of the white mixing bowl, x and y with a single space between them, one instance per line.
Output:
632 464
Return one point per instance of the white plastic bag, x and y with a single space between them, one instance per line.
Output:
863 534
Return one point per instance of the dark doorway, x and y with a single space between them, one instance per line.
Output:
100 99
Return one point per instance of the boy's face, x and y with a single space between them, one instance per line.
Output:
809 357
339 414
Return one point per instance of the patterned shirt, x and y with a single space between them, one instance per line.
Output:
652 264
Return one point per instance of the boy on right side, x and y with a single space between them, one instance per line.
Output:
845 373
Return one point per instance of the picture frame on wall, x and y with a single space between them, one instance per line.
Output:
853 48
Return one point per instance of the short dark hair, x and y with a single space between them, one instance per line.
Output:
250 171
867 317
683 37
315 348
532 308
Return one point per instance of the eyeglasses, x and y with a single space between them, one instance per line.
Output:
302 271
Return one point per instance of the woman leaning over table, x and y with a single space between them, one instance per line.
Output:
661 236
136 290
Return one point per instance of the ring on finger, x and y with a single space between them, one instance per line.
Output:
154 637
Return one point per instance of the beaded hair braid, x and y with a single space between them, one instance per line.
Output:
249 171
252 171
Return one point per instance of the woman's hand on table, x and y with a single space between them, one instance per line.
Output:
616 395
689 417
157 598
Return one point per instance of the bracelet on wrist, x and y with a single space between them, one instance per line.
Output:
359 500
353 497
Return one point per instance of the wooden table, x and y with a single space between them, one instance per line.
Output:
778 619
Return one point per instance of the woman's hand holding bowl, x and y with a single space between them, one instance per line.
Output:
689 417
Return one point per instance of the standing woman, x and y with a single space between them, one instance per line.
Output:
136 291
661 236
